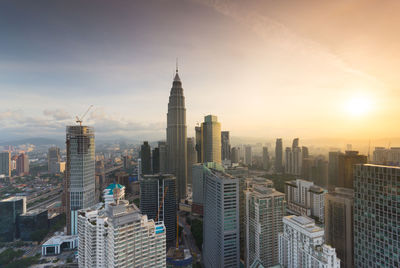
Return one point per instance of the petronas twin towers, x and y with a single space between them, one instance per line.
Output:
176 136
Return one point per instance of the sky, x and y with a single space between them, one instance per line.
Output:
307 68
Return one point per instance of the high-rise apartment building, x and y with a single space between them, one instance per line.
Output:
176 136
333 169
225 146
339 207
301 244
119 236
305 198
279 156
10 209
265 208
22 164
386 156
320 171
376 216
293 160
145 156
191 158
157 189
53 160
5 164
346 163
221 221
80 173
211 139
248 155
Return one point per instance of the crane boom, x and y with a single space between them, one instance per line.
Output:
79 120
162 202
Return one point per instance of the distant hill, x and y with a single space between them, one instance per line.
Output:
35 141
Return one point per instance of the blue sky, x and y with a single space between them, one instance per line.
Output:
266 69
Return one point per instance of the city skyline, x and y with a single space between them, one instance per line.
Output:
120 58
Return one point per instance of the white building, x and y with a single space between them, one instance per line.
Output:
305 198
385 156
119 236
293 160
302 245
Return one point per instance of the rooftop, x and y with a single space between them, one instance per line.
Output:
59 239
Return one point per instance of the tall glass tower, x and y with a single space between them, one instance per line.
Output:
80 173
176 136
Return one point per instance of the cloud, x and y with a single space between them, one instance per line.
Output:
57 114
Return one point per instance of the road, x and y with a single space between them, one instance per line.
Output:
188 238
46 203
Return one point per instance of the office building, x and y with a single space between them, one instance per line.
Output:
155 160
159 192
211 139
5 164
339 207
53 158
10 209
235 155
346 163
376 216
265 208
145 155
225 146
305 198
191 158
32 222
198 144
80 173
221 221
176 136
119 236
301 244
279 156
265 158
22 165
248 155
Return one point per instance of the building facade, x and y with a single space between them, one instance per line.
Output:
221 221
80 173
248 155
10 209
22 165
265 208
376 216
176 136
339 207
159 191
120 236
145 156
301 244
278 156
191 158
53 160
225 146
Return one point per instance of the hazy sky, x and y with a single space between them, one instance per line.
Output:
265 68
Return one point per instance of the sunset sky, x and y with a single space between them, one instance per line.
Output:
285 68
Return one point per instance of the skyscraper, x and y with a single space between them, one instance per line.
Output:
191 158
162 146
22 164
339 207
145 156
221 221
152 190
211 139
376 216
235 155
346 163
10 209
265 208
248 155
198 144
80 173
176 136
155 160
5 164
265 158
278 156
333 169
225 146
53 160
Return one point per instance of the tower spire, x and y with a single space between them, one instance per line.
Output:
176 72
176 65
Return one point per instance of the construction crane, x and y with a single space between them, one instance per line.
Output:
79 120
162 202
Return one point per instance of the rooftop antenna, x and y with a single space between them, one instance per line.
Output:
79 120
176 70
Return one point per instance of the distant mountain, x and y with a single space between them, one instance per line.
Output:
35 141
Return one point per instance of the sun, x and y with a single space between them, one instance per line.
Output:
359 105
